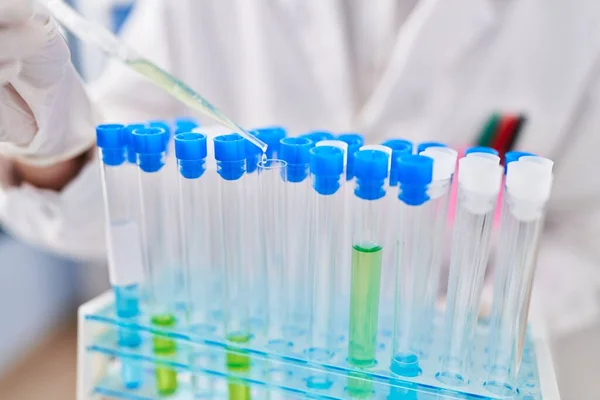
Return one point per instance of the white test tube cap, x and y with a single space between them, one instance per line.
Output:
378 147
444 161
529 180
336 143
546 162
480 179
487 156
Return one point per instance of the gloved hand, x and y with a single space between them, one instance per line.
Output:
45 115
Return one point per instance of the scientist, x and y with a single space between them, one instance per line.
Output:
417 69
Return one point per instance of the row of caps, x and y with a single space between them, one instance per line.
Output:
392 161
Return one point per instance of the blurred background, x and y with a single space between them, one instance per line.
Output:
40 293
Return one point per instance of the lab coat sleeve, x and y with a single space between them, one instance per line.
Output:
70 222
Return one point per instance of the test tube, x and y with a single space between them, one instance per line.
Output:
271 136
230 153
298 196
399 148
272 176
413 254
371 168
190 150
123 240
341 291
194 188
161 262
479 183
326 168
254 241
528 185
444 164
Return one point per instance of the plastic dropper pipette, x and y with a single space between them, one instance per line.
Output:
95 34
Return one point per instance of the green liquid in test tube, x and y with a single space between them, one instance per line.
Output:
160 252
166 377
371 169
364 304
238 362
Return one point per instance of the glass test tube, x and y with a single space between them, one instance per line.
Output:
326 168
272 176
123 240
444 164
230 153
399 148
160 260
190 151
354 143
342 275
371 169
413 254
479 183
528 186
298 196
254 242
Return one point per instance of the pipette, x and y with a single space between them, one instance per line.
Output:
97 35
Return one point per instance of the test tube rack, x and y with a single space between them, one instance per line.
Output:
276 372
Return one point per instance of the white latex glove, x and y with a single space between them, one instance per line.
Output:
45 115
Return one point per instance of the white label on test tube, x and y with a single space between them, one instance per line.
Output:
125 254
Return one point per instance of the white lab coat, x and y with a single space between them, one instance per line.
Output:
436 76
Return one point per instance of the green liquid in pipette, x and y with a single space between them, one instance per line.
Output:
238 362
166 378
184 93
364 304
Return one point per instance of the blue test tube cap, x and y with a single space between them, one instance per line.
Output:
190 150
164 125
271 136
185 124
400 147
112 139
371 171
230 153
317 136
131 155
326 166
426 145
415 173
150 146
296 152
481 149
354 142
